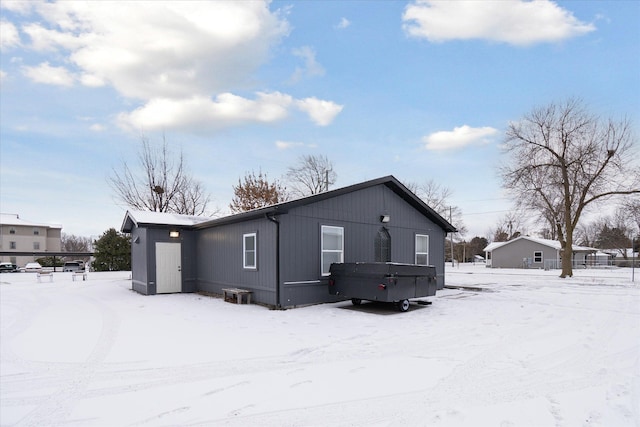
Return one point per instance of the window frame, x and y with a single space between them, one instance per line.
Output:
246 251
324 251
36 231
13 245
36 246
382 245
537 259
416 253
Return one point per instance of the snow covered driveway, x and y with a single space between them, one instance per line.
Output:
529 349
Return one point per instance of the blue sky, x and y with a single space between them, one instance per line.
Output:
420 90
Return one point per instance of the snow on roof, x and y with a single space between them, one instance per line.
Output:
161 218
628 251
14 219
494 245
555 244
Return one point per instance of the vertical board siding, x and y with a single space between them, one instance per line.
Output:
359 214
139 260
212 258
186 241
219 260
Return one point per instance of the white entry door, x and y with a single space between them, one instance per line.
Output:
168 268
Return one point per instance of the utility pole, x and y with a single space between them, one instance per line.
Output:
464 251
633 258
450 219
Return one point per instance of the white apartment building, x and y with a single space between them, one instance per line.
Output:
28 240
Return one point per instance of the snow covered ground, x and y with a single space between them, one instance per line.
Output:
524 348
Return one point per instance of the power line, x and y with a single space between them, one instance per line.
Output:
484 213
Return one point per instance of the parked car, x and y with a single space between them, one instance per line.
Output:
7 267
73 266
32 267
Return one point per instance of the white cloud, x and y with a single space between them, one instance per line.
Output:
97 127
459 137
182 59
9 36
285 145
3 75
172 49
225 110
202 112
321 112
91 80
311 66
344 23
44 39
47 74
513 22
17 6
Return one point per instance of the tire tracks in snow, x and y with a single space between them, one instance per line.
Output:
56 407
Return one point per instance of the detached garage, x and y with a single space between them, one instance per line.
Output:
282 253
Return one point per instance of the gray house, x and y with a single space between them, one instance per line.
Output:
282 253
532 252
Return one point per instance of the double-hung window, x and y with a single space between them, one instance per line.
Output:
537 256
422 249
332 247
250 251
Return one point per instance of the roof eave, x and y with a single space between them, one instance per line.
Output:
282 208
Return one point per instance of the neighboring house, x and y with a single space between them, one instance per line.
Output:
282 253
20 236
532 252
599 259
478 258
620 257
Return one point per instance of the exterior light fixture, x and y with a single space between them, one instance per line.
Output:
385 218
174 234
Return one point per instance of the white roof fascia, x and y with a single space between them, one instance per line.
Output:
163 218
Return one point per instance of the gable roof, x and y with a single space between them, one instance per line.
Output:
554 244
160 218
138 218
282 208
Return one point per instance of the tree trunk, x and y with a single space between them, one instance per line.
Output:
567 257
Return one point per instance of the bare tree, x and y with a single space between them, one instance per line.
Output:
313 174
73 243
631 208
254 192
509 226
586 233
563 160
159 183
437 197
